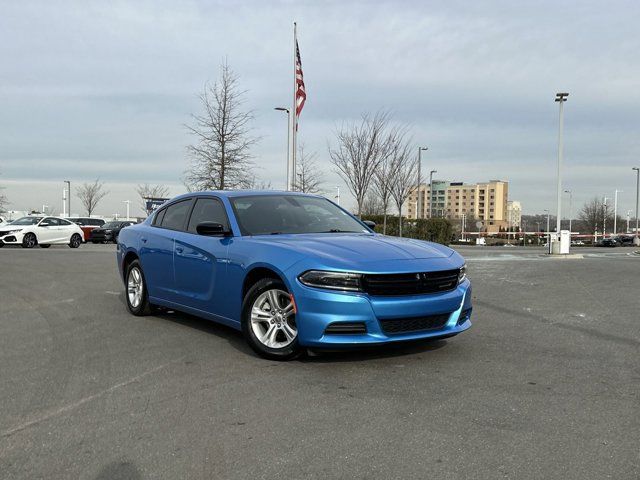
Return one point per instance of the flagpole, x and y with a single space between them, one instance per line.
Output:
294 121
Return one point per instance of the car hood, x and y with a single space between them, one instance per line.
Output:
357 248
9 228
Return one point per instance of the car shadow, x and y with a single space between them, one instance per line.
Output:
358 354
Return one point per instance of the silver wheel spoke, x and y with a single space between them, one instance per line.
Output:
272 312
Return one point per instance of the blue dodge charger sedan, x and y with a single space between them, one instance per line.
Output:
291 271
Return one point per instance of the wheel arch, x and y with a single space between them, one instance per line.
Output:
257 273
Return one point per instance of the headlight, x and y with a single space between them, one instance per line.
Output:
462 274
2 234
332 280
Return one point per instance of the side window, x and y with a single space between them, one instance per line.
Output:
207 210
52 222
157 221
63 222
176 215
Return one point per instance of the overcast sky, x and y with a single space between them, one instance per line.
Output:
103 89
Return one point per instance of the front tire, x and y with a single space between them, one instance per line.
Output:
76 240
29 240
137 293
268 321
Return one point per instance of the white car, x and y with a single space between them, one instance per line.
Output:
43 231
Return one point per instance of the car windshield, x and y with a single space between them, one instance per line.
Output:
280 214
27 221
111 225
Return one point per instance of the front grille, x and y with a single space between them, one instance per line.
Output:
410 283
344 328
414 324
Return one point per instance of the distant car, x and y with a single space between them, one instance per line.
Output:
625 240
109 231
43 231
577 242
87 224
608 242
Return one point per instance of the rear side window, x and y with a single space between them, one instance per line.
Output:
63 222
157 221
208 210
96 222
175 215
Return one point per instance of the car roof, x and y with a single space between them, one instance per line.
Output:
244 193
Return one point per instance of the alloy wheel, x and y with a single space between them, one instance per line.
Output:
135 287
273 319
75 241
29 240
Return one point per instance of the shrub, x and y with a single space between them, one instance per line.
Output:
438 230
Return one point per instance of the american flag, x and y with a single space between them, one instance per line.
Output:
301 95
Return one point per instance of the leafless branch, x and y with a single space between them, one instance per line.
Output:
404 167
220 156
151 191
90 195
308 177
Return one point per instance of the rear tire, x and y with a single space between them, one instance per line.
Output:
76 241
29 240
137 294
270 330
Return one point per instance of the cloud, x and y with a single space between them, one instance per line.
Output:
94 89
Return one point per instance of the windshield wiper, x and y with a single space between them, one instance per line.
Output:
337 230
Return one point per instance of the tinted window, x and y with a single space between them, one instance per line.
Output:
96 222
271 214
51 222
176 215
207 210
26 221
159 216
63 222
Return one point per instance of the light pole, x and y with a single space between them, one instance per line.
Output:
464 224
628 218
570 209
420 149
44 208
548 227
128 202
283 109
64 202
637 169
604 218
68 196
615 212
338 196
431 192
560 98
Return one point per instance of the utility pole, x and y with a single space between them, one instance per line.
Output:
637 169
128 202
338 196
560 98
418 210
68 196
284 109
615 213
431 192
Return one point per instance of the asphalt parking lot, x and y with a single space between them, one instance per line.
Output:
545 385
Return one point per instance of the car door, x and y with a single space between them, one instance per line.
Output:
156 248
200 262
47 230
66 229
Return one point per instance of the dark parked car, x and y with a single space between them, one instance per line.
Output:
109 231
608 242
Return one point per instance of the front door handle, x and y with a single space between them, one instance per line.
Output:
179 249
144 240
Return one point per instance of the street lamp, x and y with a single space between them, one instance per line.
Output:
128 202
68 196
615 212
570 209
284 109
431 192
548 227
560 98
338 196
637 169
420 150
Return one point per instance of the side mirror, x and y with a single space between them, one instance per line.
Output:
370 224
211 229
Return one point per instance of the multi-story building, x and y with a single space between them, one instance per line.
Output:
514 214
485 202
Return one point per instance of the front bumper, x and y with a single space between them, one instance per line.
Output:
318 308
12 238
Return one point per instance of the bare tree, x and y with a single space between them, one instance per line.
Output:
308 177
404 167
361 147
594 213
151 191
90 195
258 184
4 202
373 205
220 157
